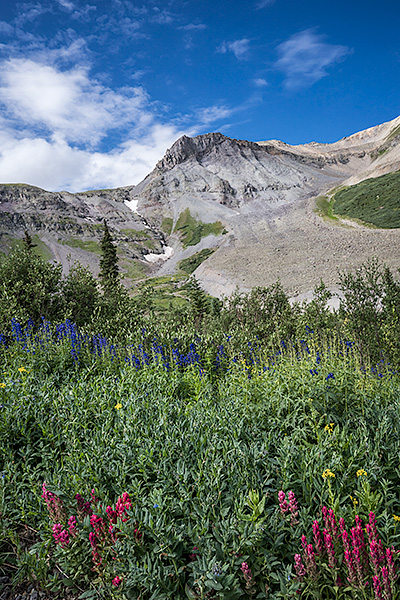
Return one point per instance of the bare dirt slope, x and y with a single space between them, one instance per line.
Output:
265 195
258 199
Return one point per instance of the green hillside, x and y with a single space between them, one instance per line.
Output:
375 201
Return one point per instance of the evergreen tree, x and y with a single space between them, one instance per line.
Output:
109 275
199 302
27 240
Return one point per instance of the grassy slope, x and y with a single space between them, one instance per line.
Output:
192 230
375 201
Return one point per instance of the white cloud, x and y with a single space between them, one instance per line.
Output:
56 165
260 82
53 124
66 4
67 104
305 57
240 48
62 128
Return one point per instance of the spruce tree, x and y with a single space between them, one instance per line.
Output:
199 302
109 275
27 240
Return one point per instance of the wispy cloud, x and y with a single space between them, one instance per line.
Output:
263 4
124 26
211 114
240 48
66 4
193 27
162 16
260 82
305 57
30 11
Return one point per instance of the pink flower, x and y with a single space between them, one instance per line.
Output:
325 516
98 525
390 564
72 526
352 575
345 538
329 548
84 508
283 505
117 581
333 528
194 554
112 514
123 504
319 547
309 559
371 528
386 583
342 525
377 588
54 505
60 535
376 556
299 567
293 508
93 498
248 576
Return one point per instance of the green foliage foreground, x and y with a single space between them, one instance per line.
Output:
202 457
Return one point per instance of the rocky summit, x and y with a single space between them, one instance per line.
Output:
262 210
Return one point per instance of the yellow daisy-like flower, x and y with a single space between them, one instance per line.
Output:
396 518
118 406
328 473
22 370
329 427
2 385
361 472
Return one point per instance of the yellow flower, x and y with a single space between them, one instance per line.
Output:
354 500
328 473
361 472
118 406
2 385
22 370
329 427
396 518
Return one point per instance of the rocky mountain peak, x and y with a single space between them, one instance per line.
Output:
196 148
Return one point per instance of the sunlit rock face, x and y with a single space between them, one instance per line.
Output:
262 195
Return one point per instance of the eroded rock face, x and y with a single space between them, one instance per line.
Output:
259 191
72 224
232 173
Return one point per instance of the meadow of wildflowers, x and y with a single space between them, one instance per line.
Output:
190 467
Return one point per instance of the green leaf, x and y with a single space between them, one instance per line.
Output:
190 593
88 594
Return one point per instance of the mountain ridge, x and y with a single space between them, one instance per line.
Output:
263 193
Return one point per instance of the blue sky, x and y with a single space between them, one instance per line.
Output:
92 93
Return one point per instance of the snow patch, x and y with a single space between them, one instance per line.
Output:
132 204
153 258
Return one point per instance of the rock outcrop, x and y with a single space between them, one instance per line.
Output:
256 197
